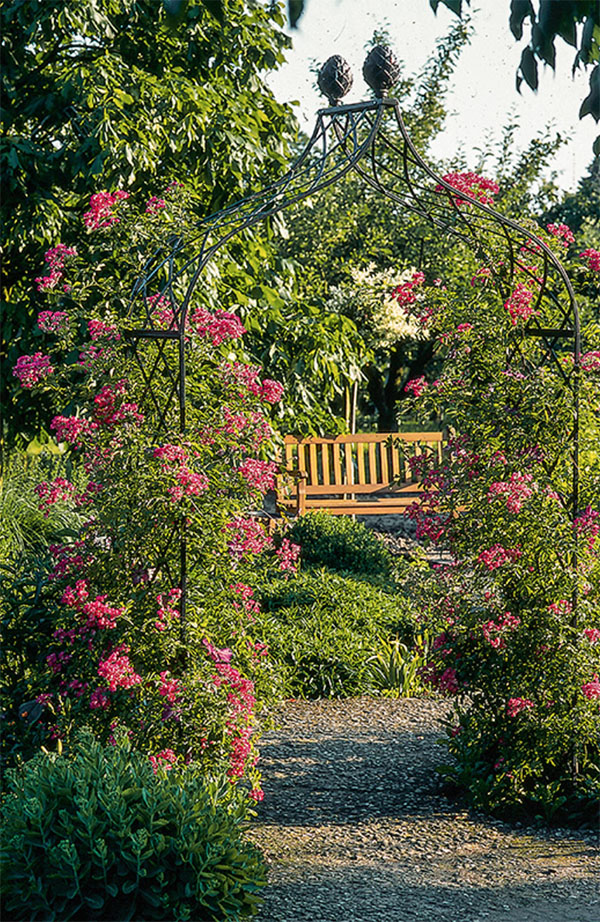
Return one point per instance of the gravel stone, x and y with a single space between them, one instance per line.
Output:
355 829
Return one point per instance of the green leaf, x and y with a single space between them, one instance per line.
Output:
519 10
295 11
529 68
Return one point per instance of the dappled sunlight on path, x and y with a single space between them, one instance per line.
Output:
354 828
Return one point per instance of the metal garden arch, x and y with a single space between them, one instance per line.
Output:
356 137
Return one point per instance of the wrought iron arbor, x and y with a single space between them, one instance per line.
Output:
371 139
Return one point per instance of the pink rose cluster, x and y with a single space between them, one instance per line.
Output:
99 329
217 327
429 524
288 555
260 475
471 184
72 429
56 322
31 369
591 690
562 607
118 670
248 378
252 427
562 232
176 460
101 213
54 491
446 681
514 706
405 293
483 275
516 490
248 537
169 688
246 594
590 361
222 655
241 702
97 613
498 556
155 205
495 631
167 612
56 258
593 259
165 759
106 411
416 386
519 304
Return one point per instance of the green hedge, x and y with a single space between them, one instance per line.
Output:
341 544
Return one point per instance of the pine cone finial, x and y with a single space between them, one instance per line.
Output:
335 78
381 69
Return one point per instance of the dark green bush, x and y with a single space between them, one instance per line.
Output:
322 628
340 543
98 835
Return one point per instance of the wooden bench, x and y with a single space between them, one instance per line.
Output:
366 473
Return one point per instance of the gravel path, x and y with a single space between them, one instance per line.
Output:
354 829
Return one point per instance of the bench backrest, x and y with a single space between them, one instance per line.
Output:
360 463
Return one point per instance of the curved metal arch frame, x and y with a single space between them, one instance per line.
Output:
354 138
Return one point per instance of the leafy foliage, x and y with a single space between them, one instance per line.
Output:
98 834
26 524
108 95
123 648
394 669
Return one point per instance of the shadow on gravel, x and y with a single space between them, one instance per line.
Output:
329 781
344 781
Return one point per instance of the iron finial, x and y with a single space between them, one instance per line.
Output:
335 78
381 69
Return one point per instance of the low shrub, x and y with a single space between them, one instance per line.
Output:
322 628
394 669
102 834
341 544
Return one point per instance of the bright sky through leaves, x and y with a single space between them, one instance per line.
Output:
483 98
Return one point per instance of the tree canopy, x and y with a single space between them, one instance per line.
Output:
109 94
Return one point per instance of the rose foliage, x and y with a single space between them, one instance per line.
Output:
516 614
124 651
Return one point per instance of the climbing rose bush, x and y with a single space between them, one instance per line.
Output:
125 652
515 613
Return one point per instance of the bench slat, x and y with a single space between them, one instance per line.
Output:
337 467
325 463
332 489
383 452
349 467
352 506
372 464
313 466
360 451
301 457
